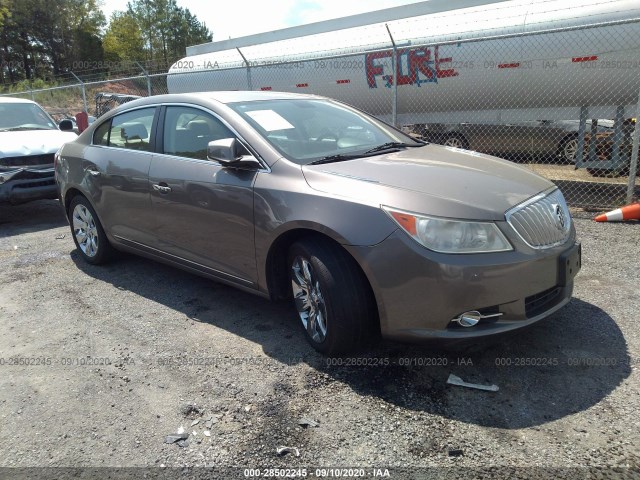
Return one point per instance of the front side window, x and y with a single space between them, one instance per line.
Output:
132 130
188 131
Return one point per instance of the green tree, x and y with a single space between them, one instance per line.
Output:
145 12
41 38
87 25
18 47
186 30
4 10
123 40
167 29
44 37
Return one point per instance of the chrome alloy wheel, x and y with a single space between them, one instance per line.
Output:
309 300
85 230
570 150
454 142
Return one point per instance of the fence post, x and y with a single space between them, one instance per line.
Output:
592 140
146 74
394 85
633 164
617 136
84 92
582 127
249 81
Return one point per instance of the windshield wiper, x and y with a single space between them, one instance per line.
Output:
334 158
385 146
390 145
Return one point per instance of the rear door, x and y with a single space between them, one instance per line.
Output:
204 212
116 168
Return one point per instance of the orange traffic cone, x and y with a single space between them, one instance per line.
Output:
628 212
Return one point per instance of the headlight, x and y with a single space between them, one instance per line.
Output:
451 236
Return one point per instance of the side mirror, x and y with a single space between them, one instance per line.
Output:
66 126
228 152
224 150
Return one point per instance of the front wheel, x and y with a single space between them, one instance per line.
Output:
569 150
332 296
88 234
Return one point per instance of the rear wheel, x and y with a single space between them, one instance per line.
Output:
332 297
88 234
456 141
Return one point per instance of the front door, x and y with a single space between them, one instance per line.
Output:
203 211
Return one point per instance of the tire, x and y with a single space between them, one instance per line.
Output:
568 149
456 141
331 295
87 232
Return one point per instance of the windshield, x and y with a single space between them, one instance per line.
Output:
24 116
309 130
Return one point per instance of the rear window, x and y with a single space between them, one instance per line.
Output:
129 130
101 134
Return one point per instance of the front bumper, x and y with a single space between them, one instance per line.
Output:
27 184
419 292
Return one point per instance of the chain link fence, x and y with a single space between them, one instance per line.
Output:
559 96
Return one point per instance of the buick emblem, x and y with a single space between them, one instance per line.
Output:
560 217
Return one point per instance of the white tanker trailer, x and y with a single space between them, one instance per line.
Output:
502 62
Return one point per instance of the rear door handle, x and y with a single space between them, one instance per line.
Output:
92 171
161 188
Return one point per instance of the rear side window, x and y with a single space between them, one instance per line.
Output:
101 135
132 130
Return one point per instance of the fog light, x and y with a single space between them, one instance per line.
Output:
472 318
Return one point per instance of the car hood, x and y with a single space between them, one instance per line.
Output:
433 180
33 142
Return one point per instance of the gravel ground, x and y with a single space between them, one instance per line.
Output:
99 364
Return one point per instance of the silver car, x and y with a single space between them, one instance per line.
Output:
541 138
300 197
29 138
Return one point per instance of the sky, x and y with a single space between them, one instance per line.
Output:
238 18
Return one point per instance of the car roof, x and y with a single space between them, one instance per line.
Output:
15 100
252 96
216 97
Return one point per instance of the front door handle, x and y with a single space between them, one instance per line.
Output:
161 188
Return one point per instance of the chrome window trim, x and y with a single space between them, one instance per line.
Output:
509 213
120 149
265 167
247 145
209 162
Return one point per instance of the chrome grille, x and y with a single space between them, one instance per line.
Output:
543 221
